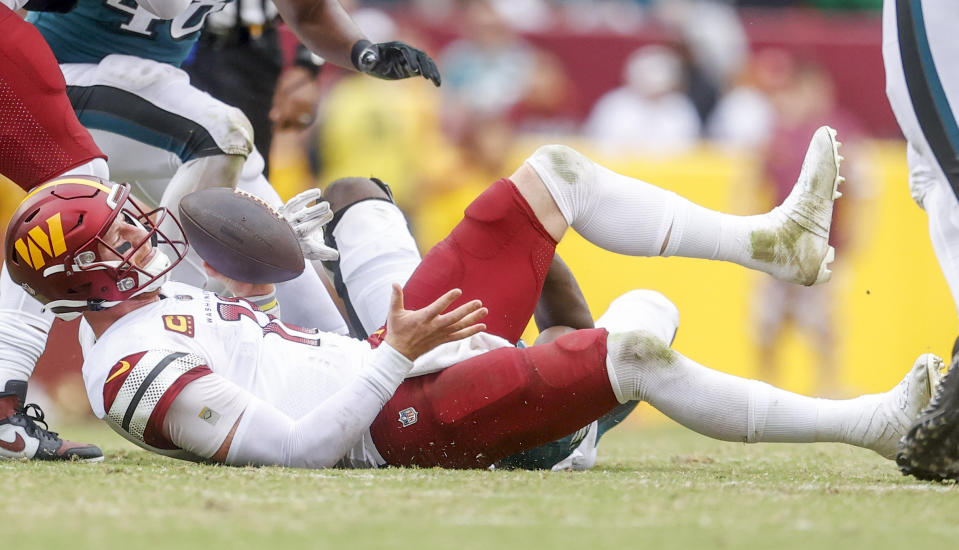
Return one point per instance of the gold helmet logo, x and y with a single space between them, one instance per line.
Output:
39 242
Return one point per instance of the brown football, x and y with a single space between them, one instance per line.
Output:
241 236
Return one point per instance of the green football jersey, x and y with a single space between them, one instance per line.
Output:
97 28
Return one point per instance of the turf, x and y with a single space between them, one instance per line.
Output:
655 487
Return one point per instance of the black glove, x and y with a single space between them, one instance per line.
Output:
393 61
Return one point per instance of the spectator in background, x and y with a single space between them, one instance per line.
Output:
360 133
745 116
712 43
239 60
551 100
481 151
487 70
649 111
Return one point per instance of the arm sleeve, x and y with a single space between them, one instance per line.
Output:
266 435
164 9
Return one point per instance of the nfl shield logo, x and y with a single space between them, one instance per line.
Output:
408 417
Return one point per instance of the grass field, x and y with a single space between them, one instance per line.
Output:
655 487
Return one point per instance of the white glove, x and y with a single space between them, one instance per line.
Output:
308 221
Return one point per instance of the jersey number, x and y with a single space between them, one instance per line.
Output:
236 310
184 24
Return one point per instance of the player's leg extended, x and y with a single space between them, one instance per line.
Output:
924 95
479 411
730 408
629 216
512 400
368 263
155 126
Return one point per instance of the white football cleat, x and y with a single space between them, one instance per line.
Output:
899 408
795 248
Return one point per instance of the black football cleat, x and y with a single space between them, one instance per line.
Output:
930 449
22 437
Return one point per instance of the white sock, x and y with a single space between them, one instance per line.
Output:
728 407
629 216
23 331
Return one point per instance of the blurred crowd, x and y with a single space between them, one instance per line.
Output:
617 78
638 78
680 75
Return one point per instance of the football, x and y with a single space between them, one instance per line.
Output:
241 236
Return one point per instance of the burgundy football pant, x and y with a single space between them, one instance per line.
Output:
484 409
40 136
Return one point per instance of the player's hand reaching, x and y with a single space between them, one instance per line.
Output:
415 332
307 221
393 61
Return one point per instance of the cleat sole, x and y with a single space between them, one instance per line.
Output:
930 449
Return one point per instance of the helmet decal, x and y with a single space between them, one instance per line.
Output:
39 242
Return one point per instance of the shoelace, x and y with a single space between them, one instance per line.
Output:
37 417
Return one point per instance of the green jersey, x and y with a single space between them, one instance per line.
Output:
97 28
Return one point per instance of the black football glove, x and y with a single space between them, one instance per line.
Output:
393 61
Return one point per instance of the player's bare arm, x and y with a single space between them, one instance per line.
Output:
327 30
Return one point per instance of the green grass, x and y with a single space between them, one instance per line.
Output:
660 487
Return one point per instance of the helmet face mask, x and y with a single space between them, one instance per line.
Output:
64 245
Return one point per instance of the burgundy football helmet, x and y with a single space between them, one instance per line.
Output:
55 245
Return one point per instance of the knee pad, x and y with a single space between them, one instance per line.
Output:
642 310
568 175
570 358
633 359
559 163
922 175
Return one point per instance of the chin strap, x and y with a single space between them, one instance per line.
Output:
159 264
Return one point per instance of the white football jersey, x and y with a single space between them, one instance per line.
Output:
190 330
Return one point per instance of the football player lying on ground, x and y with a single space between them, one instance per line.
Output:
188 374
363 211
262 249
